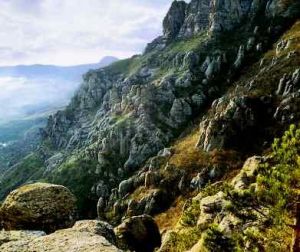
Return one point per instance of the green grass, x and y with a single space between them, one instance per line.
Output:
78 174
186 45
29 169
15 130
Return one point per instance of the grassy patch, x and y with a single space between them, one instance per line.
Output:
75 174
29 169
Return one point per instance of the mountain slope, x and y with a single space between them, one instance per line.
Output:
214 66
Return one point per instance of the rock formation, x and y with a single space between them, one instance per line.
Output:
39 206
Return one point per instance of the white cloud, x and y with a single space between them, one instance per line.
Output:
74 31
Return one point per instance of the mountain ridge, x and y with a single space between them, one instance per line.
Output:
177 123
40 70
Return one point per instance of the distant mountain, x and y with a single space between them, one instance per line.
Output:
50 71
40 87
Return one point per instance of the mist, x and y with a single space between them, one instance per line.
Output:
21 97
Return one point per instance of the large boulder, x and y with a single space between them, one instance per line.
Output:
39 206
138 233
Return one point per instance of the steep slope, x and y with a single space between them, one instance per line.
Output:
126 113
232 208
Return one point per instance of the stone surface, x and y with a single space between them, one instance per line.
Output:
11 236
96 227
66 240
139 233
247 175
39 206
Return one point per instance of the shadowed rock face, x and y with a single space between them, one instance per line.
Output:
139 233
174 19
39 206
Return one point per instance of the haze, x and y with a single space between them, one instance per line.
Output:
66 32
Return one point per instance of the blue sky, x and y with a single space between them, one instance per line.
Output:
69 32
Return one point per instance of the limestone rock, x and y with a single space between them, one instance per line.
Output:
210 207
174 19
10 236
39 206
234 123
125 187
139 233
180 111
248 173
96 227
240 57
64 240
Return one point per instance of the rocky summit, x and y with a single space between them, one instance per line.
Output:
191 146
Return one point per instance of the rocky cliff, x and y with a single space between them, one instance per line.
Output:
214 65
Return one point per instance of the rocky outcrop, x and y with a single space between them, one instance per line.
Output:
139 233
83 237
174 19
39 206
281 8
248 173
234 121
186 20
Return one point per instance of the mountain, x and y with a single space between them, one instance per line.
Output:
185 132
30 95
73 73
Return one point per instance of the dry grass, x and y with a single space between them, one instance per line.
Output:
168 219
186 155
142 192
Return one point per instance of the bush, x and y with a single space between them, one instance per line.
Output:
215 241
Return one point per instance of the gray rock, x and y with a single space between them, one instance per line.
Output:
96 227
240 57
174 19
180 112
125 187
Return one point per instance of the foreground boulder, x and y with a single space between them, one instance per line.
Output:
65 240
138 233
39 206
12 236
96 227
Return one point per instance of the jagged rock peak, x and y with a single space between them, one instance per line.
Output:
185 20
174 19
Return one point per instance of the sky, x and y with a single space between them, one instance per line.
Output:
71 32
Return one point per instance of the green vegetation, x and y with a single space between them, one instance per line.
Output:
215 241
15 130
186 45
272 200
75 174
30 169
191 214
280 179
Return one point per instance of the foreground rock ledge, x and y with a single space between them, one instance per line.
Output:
39 206
81 238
